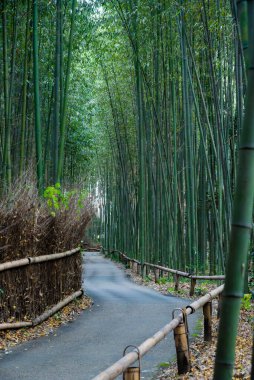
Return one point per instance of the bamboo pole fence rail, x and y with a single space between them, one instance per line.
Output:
122 365
175 272
41 318
37 259
60 293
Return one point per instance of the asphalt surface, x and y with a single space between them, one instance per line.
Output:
123 313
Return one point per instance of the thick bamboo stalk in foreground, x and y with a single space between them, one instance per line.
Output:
121 365
240 232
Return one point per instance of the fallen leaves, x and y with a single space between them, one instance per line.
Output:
10 338
203 353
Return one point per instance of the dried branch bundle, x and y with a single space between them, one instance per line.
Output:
27 229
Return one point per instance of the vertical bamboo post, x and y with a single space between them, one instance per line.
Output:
156 275
182 345
132 373
219 305
192 287
176 282
207 312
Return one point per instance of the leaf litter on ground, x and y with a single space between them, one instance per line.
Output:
10 338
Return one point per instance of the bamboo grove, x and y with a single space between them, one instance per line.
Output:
39 106
171 94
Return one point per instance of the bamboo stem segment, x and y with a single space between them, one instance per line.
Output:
182 348
132 373
207 312
176 282
192 288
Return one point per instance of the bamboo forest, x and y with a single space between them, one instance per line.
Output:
126 189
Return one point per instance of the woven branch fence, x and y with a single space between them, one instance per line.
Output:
32 285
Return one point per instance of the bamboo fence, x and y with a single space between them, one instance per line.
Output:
121 365
159 270
32 285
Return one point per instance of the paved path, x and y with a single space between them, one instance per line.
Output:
123 313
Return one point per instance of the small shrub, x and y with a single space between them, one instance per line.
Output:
162 281
246 302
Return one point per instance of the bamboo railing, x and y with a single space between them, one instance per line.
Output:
161 269
122 364
37 259
17 276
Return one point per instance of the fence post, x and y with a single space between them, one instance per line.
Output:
132 373
219 305
207 312
192 287
156 275
182 345
176 282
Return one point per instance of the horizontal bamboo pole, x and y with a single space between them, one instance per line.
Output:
57 307
44 316
90 249
15 325
121 365
169 270
14 264
219 277
37 259
54 256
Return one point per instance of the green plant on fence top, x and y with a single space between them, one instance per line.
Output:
58 200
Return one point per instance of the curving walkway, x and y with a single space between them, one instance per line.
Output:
123 313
